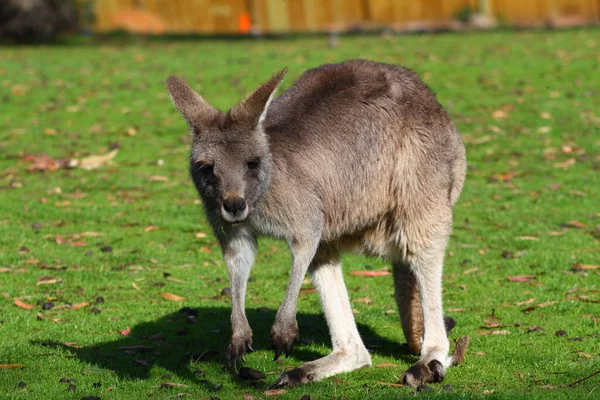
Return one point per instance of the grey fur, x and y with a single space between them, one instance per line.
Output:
353 156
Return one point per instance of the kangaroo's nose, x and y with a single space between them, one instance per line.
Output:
234 205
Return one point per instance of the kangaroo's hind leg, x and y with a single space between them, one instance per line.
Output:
425 261
349 352
409 306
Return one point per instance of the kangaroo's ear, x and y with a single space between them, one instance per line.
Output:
192 106
254 109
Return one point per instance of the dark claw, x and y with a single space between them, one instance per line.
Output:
420 374
283 342
282 381
232 356
437 370
236 352
291 378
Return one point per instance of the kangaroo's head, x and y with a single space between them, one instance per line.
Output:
230 161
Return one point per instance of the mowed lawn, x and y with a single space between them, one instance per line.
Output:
105 245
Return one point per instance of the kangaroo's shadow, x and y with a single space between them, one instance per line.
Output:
202 334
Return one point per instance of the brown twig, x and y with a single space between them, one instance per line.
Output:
583 379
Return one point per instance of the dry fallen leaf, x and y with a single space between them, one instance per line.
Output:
275 392
43 162
370 273
19 90
470 270
171 296
390 384
576 224
500 332
173 279
547 304
522 303
150 228
158 178
566 164
338 381
367 300
521 278
19 303
10 366
460 350
41 316
544 129
135 286
95 161
108 389
534 328
79 305
73 345
490 324
172 385
530 238
503 177
499 114
568 149
585 266
386 365
47 281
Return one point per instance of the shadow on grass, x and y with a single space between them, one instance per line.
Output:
202 335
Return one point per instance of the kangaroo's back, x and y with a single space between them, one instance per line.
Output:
369 139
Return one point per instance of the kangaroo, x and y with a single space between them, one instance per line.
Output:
356 156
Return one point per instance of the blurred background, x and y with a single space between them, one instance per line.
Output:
26 20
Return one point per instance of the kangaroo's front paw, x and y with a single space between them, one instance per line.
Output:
283 336
237 350
421 373
292 378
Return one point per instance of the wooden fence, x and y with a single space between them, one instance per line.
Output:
243 16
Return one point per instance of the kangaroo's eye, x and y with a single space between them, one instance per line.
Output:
254 164
204 166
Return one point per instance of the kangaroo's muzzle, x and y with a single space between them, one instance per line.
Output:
234 209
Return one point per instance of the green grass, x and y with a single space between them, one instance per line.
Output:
530 173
